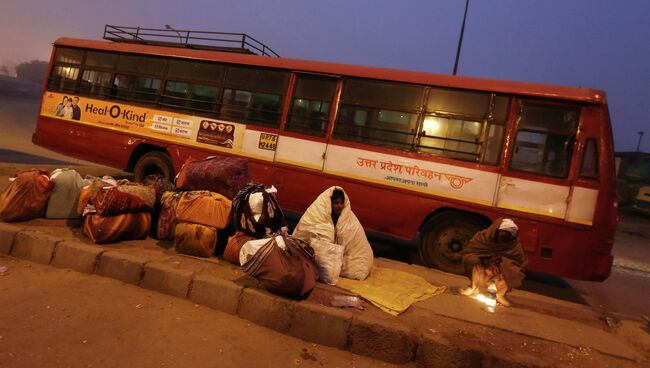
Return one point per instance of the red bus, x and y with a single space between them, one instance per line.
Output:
424 157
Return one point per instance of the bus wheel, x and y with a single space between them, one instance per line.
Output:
444 236
153 162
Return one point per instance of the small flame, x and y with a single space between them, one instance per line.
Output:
489 302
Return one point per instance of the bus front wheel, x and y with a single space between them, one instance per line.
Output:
153 162
443 238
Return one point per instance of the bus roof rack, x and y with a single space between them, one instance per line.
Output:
171 37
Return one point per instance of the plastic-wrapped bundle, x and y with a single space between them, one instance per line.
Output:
205 208
223 175
26 196
65 194
195 239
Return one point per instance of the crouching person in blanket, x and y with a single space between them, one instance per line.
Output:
330 219
495 255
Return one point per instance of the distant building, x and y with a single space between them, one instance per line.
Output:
632 173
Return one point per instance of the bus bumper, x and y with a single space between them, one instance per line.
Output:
601 267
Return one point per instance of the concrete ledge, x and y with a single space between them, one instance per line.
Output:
266 309
436 351
7 235
387 341
77 256
216 293
34 246
320 324
120 266
166 279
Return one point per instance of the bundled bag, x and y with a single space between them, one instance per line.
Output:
316 223
195 239
92 185
255 210
26 196
234 246
110 229
65 194
123 198
289 272
205 208
167 215
223 175
159 184
329 260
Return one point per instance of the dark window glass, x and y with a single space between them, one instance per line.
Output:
190 96
454 138
379 113
252 79
63 78
500 108
95 83
251 107
381 94
141 65
100 60
544 140
466 103
492 152
310 107
65 55
207 72
387 128
139 89
589 168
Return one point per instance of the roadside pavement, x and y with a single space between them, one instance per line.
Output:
447 330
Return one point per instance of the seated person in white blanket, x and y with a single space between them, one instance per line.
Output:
330 218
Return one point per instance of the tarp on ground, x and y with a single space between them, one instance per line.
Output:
390 290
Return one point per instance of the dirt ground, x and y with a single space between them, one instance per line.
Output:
59 318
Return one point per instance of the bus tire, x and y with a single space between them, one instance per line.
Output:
153 162
444 236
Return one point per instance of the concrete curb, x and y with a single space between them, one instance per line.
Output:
167 280
77 256
7 235
361 334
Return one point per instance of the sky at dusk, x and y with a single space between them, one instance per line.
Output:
600 44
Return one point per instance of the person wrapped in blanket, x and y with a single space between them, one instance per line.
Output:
495 256
330 218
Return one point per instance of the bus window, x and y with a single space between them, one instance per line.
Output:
544 140
254 95
63 78
95 83
589 167
98 60
379 113
141 65
455 124
140 89
191 70
189 96
64 55
310 107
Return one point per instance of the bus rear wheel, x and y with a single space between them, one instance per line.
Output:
443 238
153 162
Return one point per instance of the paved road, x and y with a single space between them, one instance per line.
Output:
57 318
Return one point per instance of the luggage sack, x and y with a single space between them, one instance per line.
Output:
195 239
26 197
205 208
123 198
291 273
253 216
92 185
159 184
235 243
110 229
65 194
167 215
223 175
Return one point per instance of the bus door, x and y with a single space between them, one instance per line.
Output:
302 141
538 162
